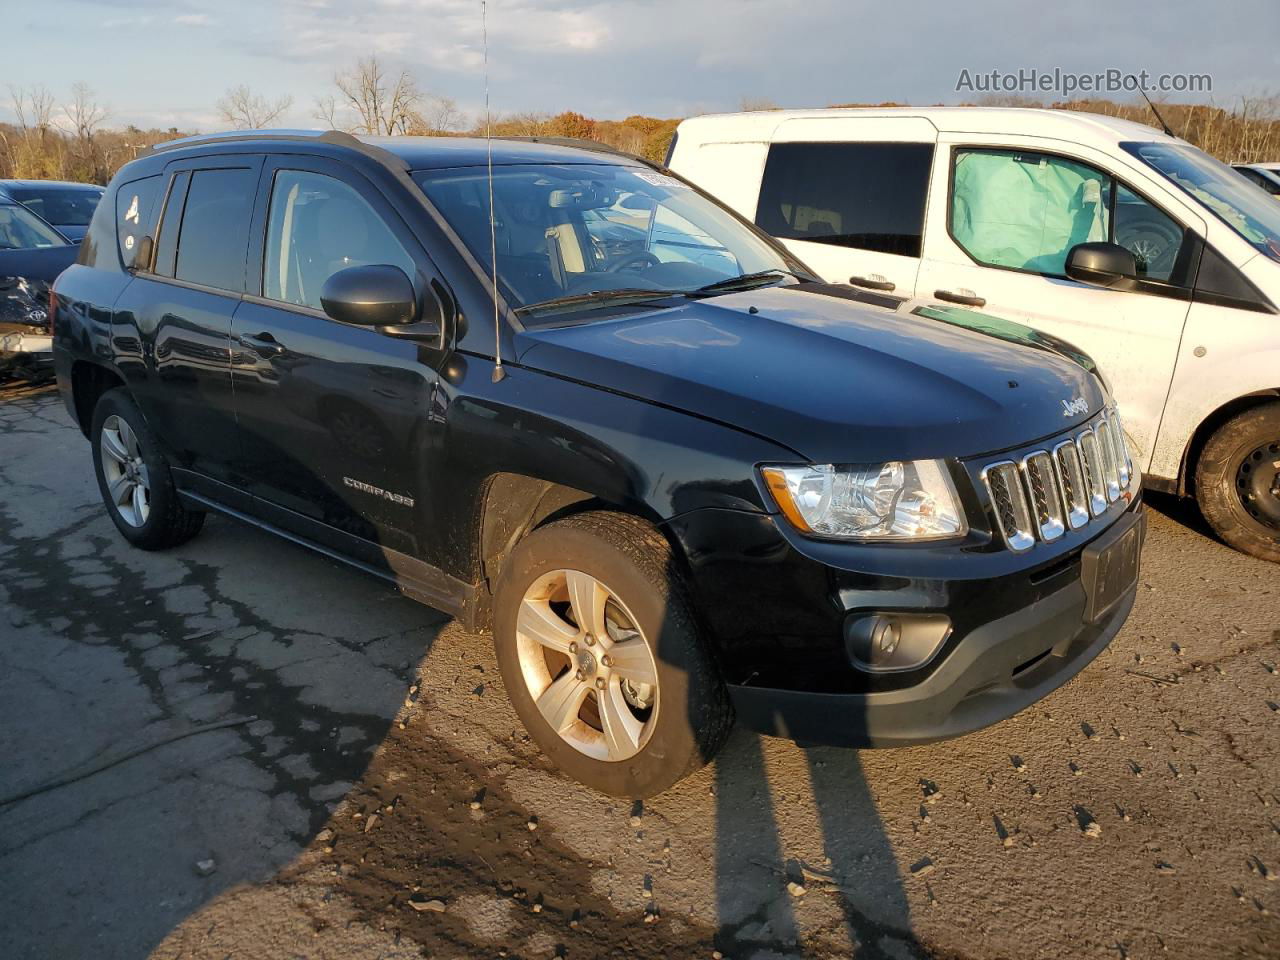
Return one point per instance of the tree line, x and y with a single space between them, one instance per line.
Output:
71 139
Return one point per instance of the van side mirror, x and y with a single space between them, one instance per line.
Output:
376 295
1103 264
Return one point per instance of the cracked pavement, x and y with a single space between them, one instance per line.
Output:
342 753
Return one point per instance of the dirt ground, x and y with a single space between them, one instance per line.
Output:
241 749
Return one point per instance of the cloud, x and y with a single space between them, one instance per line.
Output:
193 20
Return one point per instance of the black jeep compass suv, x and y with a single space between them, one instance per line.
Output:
680 477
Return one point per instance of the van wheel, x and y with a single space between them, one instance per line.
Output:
1238 482
134 477
602 658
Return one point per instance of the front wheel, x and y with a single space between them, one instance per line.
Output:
134 477
1238 482
601 655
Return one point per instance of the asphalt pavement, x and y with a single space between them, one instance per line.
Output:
242 749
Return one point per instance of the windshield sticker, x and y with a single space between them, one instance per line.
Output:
660 179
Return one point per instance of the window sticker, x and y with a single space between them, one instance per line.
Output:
659 179
132 214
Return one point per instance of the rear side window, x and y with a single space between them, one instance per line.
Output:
214 235
135 205
869 196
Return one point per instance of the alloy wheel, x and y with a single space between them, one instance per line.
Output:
587 665
123 468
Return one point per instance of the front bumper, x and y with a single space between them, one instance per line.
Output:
997 671
1015 638
25 352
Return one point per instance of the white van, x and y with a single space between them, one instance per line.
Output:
1157 260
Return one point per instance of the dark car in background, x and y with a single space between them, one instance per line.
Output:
32 254
68 206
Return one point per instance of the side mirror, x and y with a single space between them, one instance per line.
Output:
377 295
1103 265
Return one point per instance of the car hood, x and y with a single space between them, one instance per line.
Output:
835 380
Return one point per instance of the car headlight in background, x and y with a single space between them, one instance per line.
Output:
898 500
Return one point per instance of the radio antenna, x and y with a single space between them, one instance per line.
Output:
498 372
1164 126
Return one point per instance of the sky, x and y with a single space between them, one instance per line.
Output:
166 63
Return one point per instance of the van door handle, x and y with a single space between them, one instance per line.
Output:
873 282
965 297
263 344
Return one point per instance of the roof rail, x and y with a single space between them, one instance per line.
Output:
582 144
335 137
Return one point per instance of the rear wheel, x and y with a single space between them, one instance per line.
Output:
601 655
134 477
1238 482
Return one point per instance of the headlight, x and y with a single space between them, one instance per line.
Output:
899 500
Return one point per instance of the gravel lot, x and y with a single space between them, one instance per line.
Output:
365 763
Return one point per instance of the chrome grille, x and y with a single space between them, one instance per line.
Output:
1010 500
1110 469
1093 476
1066 457
1046 496
1064 487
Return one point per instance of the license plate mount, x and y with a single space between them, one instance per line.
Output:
1109 566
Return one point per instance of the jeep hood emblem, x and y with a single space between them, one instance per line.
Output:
1076 405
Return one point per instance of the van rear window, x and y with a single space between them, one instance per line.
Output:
870 196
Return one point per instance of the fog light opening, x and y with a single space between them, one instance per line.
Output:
889 642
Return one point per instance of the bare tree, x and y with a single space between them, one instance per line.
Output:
441 115
245 110
326 111
83 116
39 152
34 108
380 109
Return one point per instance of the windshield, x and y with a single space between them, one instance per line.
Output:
65 206
577 230
20 229
1233 199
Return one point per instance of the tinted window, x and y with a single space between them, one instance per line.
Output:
134 204
865 195
318 226
1025 210
215 228
61 206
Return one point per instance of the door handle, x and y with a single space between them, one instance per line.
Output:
263 344
965 297
873 282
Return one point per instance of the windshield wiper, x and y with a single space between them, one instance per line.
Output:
747 280
596 297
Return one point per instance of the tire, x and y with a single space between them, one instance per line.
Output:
1238 482
683 719
158 520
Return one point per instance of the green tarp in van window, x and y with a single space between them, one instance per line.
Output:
1026 210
